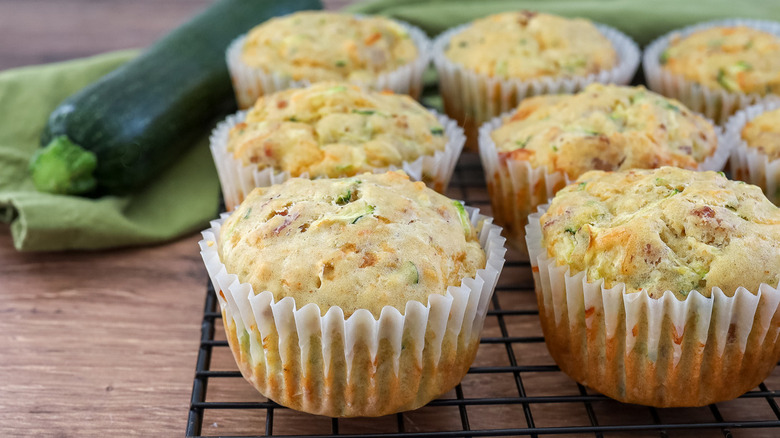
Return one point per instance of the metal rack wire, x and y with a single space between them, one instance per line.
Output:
513 389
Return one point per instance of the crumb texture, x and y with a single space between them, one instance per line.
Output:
357 243
737 59
665 229
335 129
605 127
527 45
329 46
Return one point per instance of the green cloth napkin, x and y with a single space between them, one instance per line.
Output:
179 201
642 20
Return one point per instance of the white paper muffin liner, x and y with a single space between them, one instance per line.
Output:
747 163
249 83
472 98
717 104
516 188
357 366
238 180
660 352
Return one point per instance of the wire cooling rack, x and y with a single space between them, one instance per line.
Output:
513 388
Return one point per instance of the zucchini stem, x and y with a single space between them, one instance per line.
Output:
63 167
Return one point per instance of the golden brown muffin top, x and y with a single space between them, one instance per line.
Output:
329 46
763 134
665 229
605 127
527 45
358 243
335 129
732 58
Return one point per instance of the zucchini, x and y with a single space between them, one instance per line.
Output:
465 222
139 118
410 272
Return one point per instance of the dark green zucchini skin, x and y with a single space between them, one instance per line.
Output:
139 118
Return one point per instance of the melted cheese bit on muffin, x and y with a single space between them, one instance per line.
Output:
328 46
333 129
737 59
665 229
763 133
357 243
605 127
527 45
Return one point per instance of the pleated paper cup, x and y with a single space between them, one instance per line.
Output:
749 164
357 366
660 352
717 104
249 83
516 188
238 180
473 98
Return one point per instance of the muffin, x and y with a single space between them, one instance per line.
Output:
549 141
316 46
333 130
349 297
657 286
755 134
717 68
488 66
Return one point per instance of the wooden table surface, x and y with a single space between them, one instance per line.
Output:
104 343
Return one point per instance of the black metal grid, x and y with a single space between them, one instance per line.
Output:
513 389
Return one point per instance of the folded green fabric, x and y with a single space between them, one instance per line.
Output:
642 20
179 201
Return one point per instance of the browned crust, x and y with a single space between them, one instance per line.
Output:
701 377
371 390
511 204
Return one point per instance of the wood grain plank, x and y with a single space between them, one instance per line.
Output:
40 31
98 343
